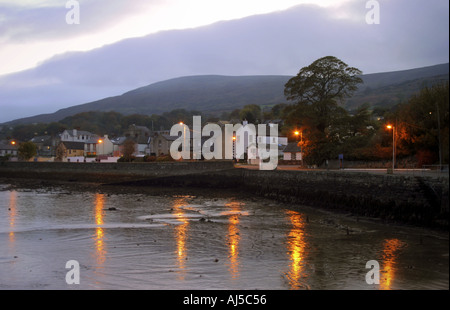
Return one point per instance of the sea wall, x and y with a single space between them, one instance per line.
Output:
418 200
106 172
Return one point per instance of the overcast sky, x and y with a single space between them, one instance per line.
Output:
34 30
48 64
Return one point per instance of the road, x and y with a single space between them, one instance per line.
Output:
414 172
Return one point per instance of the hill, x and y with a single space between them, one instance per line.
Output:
216 93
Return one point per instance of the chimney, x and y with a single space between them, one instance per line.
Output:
74 132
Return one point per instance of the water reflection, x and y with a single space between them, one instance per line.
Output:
12 208
390 257
296 245
181 235
99 238
234 238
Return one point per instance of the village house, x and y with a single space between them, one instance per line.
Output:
93 144
70 149
160 143
8 149
135 131
104 146
75 135
45 145
142 146
250 140
292 152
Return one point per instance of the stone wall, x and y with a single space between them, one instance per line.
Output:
414 200
106 172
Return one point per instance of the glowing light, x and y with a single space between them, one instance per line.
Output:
99 238
390 255
234 238
296 249
181 232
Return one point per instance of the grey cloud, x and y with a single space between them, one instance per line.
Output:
49 22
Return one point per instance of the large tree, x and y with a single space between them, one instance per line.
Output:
316 91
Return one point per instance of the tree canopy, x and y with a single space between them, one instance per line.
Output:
316 92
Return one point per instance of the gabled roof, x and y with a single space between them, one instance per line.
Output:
79 132
168 137
292 147
73 145
7 146
119 140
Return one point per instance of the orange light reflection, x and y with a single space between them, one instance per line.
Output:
234 238
99 238
181 235
296 249
12 214
390 256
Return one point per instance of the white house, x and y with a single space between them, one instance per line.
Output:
104 146
292 152
75 135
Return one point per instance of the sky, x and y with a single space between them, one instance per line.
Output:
49 64
40 26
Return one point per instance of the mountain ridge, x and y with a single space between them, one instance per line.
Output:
218 93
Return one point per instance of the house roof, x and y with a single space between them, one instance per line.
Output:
168 137
45 140
119 140
79 132
292 147
73 145
7 146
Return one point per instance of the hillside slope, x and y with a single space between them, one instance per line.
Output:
215 93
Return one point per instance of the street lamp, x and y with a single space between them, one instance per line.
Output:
393 145
300 133
100 141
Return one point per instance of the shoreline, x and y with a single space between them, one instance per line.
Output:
206 193
405 199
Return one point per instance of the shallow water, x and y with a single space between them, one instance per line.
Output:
139 241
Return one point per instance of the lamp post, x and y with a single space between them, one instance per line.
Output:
100 141
393 145
300 133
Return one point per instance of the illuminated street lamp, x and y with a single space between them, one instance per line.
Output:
393 145
300 133
100 141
